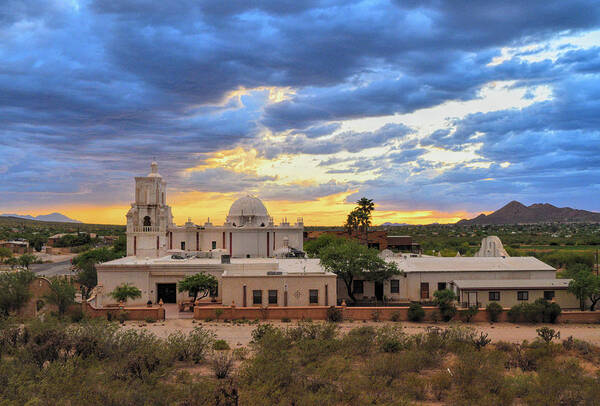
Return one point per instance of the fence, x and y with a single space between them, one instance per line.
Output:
359 313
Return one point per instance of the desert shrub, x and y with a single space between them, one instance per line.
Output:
514 313
150 320
334 314
539 311
220 345
440 383
122 316
240 353
260 331
221 364
414 386
218 313
479 378
494 310
468 314
312 331
395 317
481 341
547 334
359 341
416 312
76 315
582 347
376 315
285 320
190 347
561 383
444 299
390 339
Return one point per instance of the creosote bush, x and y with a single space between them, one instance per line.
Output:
416 312
94 362
334 314
494 310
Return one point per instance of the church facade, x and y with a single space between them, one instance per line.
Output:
249 231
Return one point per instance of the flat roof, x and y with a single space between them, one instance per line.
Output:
474 264
513 284
290 265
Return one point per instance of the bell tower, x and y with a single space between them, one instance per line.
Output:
149 216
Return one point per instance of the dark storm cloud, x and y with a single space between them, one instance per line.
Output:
100 87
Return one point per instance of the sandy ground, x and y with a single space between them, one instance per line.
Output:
240 335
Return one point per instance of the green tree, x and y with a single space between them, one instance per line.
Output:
350 260
585 285
444 299
27 259
124 292
12 262
314 247
198 284
5 253
62 294
14 290
87 277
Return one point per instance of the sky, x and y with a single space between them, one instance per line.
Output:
435 110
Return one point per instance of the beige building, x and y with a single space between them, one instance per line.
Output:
295 280
513 292
422 276
249 231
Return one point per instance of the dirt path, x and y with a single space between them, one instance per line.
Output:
240 335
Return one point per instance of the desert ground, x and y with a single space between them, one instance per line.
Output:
238 335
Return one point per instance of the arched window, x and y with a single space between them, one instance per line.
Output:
147 221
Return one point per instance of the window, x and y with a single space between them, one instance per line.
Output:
272 296
147 221
257 297
522 295
424 290
214 245
313 296
548 294
394 286
494 296
441 285
183 245
358 287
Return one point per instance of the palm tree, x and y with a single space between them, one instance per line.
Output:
365 207
352 221
125 291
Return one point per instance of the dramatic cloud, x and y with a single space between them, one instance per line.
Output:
389 99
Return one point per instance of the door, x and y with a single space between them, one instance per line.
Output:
424 290
472 299
379 291
167 292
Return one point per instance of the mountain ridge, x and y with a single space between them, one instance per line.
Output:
52 217
517 213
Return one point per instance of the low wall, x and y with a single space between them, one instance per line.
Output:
361 313
133 313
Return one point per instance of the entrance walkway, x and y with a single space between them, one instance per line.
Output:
172 312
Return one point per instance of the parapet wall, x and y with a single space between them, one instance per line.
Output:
133 313
359 313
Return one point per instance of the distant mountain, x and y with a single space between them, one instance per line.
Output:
54 217
517 213
395 224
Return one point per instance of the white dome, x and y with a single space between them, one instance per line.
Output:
248 206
